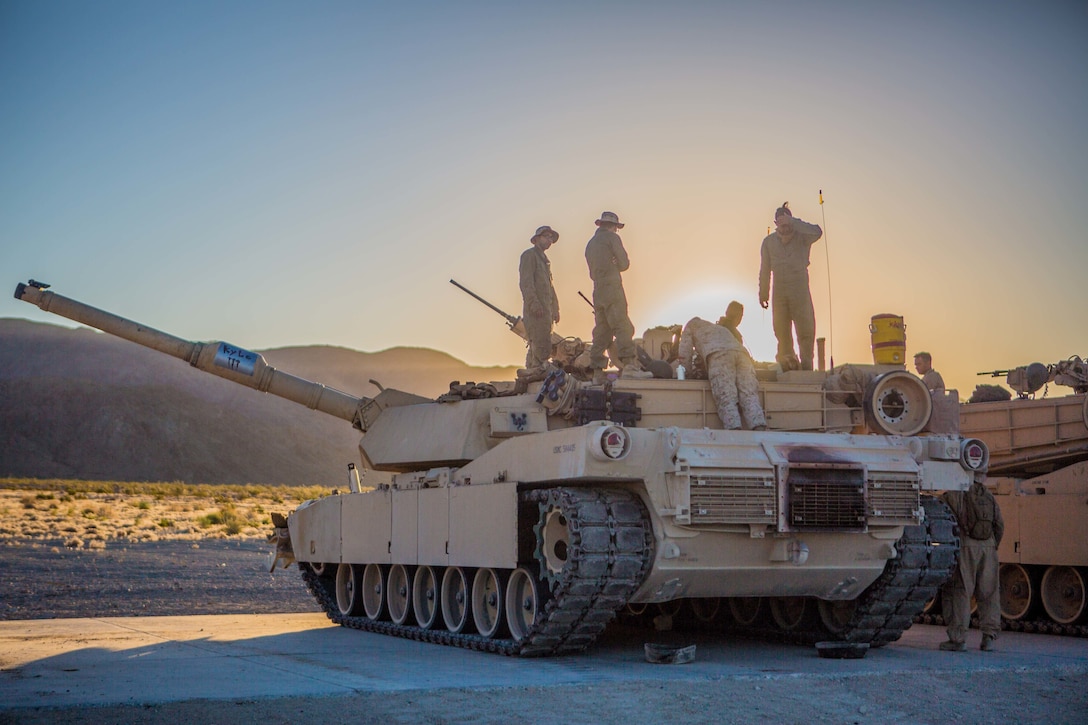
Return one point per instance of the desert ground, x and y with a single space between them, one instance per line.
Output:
70 549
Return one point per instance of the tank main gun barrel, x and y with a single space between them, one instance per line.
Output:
218 358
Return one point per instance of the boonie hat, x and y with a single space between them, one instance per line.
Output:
545 230
610 217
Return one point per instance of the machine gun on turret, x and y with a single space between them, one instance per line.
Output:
514 323
1027 379
565 350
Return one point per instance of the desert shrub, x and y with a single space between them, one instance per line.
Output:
165 523
227 517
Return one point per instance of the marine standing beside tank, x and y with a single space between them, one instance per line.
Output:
976 574
607 259
785 255
923 363
540 306
729 369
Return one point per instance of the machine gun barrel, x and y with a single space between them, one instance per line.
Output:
995 373
218 358
510 319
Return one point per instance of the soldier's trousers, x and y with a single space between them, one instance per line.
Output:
975 576
539 332
733 384
611 323
791 307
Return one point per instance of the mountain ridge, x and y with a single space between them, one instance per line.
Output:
77 403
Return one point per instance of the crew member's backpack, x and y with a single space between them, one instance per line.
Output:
978 512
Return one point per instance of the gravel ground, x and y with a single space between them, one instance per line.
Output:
213 576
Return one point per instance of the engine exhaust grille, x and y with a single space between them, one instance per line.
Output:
894 496
734 499
826 498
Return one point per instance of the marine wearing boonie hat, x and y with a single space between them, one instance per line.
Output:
540 231
611 218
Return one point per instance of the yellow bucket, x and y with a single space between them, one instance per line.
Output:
889 339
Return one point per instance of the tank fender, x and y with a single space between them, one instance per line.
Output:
314 528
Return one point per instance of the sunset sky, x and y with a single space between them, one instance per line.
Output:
285 173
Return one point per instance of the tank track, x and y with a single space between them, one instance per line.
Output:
926 558
1032 626
609 553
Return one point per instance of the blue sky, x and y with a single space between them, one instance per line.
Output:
283 173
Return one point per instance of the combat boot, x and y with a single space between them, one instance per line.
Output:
951 646
987 643
634 371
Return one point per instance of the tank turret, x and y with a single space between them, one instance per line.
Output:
523 522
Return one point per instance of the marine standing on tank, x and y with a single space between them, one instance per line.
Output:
540 306
923 363
785 256
729 369
607 259
976 574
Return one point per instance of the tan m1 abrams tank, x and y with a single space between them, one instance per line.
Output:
523 523
1039 474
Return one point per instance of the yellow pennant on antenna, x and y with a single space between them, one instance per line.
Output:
821 197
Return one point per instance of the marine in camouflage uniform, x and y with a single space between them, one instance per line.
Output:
607 259
976 575
923 363
785 256
729 369
540 306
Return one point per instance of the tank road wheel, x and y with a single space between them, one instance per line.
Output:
1019 591
897 403
637 609
747 611
320 568
706 609
398 593
349 589
1063 594
522 603
454 598
425 597
836 615
374 578
792 613
487 601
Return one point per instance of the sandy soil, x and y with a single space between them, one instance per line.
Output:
153 569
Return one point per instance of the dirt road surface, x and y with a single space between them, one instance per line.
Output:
78 646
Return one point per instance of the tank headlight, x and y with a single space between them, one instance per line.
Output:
612 443
974 455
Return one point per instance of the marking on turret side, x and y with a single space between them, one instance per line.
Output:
565 448
235 359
